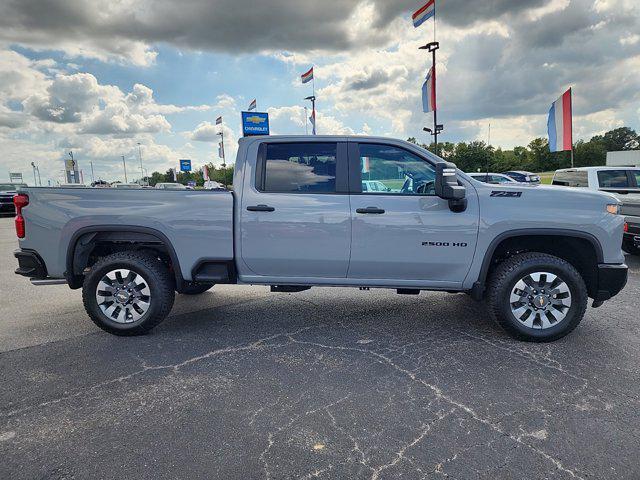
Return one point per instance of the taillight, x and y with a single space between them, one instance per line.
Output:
20 201
626 227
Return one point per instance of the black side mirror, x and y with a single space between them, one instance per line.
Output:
447 182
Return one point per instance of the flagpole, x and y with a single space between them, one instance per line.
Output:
571 106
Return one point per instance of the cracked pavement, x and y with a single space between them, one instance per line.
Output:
328 383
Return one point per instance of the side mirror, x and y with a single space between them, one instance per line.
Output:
447 182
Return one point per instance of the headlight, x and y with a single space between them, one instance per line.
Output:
613 208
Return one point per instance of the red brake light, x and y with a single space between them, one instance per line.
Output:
626 227
20 201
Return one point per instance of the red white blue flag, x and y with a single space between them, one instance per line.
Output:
253 105
429 92
424 13
559 124
307 77
218 120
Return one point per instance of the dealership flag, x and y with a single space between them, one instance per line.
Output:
253 105
307 77
424 13
429 92
559 124
221 150
218 120
205 173
175 177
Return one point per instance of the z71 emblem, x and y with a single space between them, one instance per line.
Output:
506 194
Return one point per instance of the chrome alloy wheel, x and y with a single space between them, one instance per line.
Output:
540 300
123 295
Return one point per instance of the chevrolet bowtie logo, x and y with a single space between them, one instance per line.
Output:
256 119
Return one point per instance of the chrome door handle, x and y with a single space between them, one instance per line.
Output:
370 210
261 208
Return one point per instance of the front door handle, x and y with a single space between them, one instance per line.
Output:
371 210
261 208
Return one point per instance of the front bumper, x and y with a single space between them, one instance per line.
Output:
30 264
611 280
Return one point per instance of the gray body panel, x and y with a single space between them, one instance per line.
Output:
319 239
199 225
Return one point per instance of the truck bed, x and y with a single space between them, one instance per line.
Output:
198 224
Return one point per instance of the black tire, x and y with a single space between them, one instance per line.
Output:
509 272
195 288
158 279
630 248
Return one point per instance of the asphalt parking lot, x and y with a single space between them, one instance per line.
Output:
328 383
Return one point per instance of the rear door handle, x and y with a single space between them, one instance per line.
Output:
261 208
371 210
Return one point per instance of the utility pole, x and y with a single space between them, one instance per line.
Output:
141 168
124 164
306 120
92 177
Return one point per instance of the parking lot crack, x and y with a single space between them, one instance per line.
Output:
443 396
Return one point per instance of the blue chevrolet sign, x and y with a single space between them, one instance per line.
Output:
185 165
254 123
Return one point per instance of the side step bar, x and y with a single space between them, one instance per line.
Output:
48 281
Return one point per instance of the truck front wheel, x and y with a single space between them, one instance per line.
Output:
128 293
537 297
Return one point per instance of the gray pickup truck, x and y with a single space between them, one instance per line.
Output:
299 217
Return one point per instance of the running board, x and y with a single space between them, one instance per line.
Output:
48 281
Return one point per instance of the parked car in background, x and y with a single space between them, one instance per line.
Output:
623 182
374 186
523 177
213 185
298 218
493 178
126 185
7 191
170 186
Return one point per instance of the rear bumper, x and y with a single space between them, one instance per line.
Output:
30 264
611 279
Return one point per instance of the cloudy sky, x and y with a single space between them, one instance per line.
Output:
99 77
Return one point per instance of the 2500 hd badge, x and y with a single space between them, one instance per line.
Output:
445 244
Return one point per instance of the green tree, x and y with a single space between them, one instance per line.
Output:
623 138
589 154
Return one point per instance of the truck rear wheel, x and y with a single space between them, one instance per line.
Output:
128 293
537 297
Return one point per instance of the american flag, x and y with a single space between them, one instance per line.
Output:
307 77
253 105
219 121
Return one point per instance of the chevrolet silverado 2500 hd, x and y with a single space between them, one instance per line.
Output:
299 217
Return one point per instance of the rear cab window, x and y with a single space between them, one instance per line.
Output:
571 178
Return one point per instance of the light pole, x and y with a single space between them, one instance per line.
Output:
224 161
73 169
140 154
92 177
36 169
124 163
432 47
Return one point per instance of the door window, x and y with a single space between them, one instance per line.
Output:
636 173
388 170
300 168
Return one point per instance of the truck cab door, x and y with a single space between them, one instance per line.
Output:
295 216
404 232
